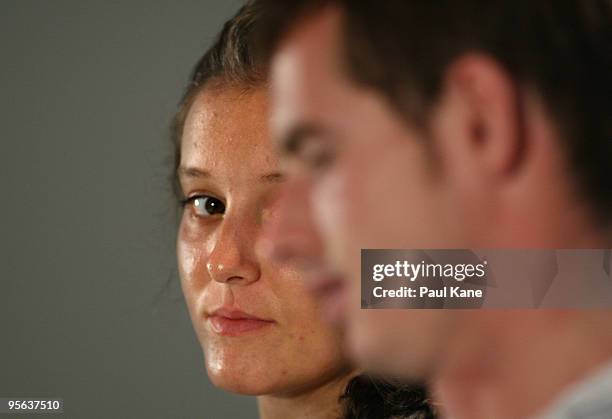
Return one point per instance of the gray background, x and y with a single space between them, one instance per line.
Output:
91 306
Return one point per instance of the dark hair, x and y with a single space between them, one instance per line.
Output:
234 62
366 397
401 48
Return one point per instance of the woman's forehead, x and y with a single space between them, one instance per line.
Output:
228 127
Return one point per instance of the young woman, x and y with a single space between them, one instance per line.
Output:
259 329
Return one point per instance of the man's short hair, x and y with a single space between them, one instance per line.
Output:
559 50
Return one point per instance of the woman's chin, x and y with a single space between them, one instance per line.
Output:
240 374
239 384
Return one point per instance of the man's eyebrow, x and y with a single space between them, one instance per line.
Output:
192 172
294 139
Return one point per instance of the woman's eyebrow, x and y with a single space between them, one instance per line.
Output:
192 172
272 177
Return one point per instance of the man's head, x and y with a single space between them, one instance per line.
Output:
448 124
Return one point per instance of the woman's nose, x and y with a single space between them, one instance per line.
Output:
289 235
233 259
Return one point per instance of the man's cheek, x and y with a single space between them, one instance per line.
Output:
332 215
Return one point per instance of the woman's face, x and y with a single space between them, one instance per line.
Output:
259 328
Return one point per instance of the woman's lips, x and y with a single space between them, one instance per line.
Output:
235 323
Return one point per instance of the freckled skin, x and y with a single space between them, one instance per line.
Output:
225 134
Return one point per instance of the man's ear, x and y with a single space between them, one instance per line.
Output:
483 122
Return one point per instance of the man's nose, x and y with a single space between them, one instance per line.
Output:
289 235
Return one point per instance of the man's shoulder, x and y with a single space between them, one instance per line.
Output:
590 398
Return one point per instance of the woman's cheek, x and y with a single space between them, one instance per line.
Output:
195 241
192 258
192 253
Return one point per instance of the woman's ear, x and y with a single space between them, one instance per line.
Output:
484 121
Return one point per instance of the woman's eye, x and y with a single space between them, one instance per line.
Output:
205 206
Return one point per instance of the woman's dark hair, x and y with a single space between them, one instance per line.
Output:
233 62
366 397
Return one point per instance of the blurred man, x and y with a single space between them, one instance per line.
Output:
472 124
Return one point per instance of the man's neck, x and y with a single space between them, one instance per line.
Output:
519 371
320 402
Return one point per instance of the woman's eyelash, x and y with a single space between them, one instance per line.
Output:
188 200
204 205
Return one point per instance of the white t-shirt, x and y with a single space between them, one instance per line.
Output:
591 398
